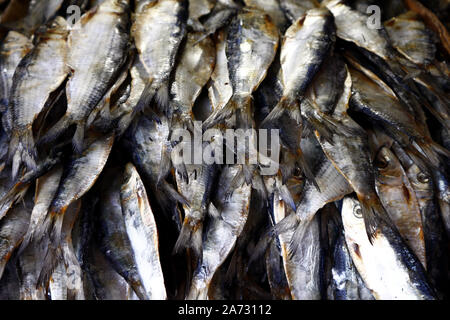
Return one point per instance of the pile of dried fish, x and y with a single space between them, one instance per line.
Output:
97 200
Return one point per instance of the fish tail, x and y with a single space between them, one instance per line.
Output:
145 99
16 193
373 212
162 98
286 195
190 236
78 137
54 254
58 128
286 114
307 171
220 115
22 150
430 151
297 237
284 107
172 194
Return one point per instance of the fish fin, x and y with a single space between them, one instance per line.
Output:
16 193
260 249
162 98
78 138
213 212
190 237
372 212
297 237
287 197
145 99
286 224
22 151
171 193
220 115
286 117
307 171
54 254
56 130
165 164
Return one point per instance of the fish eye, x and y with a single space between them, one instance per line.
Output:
422 177
357 212
382 162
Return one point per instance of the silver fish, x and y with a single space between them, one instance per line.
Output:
196 58
252 41
105 28
399 200
307 42
113 238
406 28
80 175
375 260
167 29
38 74
227 224
14 47
66 281
141 228
12 230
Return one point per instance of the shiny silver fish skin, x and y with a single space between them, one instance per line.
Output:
411 38
306 44
302 266
113 238
94 67
399 199
148 142
219 89
346 146
351 25
167 30
195 65
345 280
374 45
38 74
252 41
14 47
126 110
222 232
332 186
12 230
80 174
295 9
371 98
66 281
433 225
196 188
45 190
141 229
374 260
